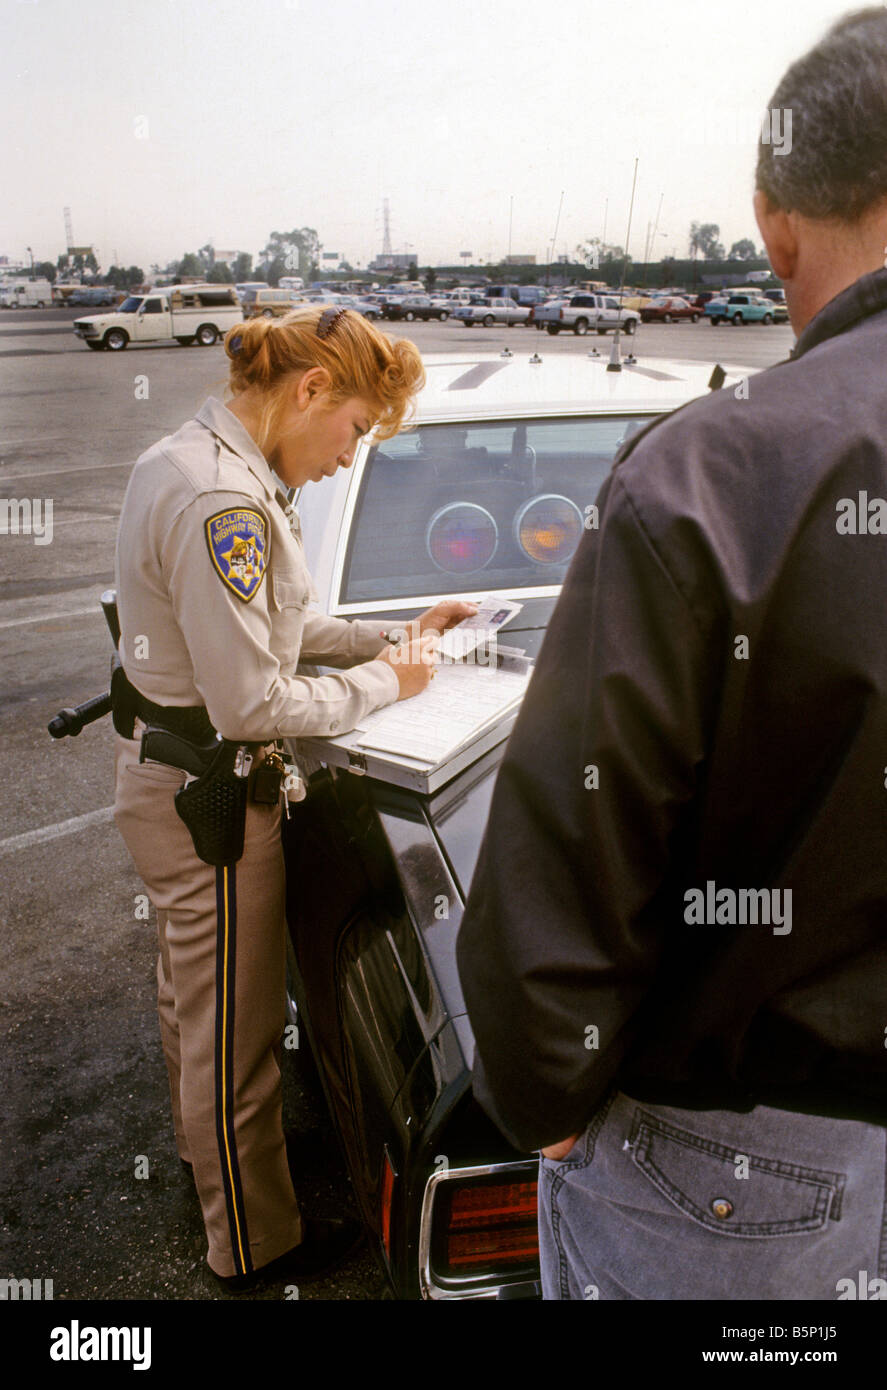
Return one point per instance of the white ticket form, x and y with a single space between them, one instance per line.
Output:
492 613
461 701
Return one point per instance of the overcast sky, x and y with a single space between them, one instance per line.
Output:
164 124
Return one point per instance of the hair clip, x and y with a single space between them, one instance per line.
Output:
328 320
237 343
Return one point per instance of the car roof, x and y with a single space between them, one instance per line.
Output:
465 385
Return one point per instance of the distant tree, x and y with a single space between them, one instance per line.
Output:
669 270
219 274
430 277
595 253
703 241
413 271
45 270
743 250
123 278
242 268
84 264
190 264
286 253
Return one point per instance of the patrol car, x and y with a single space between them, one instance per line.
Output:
487 494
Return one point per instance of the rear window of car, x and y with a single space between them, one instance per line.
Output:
496 504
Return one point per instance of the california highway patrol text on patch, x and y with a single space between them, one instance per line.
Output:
238 543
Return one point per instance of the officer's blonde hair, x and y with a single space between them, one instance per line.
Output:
361 361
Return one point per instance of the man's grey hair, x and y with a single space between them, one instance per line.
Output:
837 95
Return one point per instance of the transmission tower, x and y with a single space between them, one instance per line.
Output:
386 228
69 231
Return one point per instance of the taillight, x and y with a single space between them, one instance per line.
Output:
385 1203
486 1226
461 538
548 528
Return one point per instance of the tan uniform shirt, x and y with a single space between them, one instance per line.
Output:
213 594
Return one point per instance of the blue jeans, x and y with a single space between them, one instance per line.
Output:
654 1202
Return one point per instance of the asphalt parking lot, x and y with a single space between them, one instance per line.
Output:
86 1105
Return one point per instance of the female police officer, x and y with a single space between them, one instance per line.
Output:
213 595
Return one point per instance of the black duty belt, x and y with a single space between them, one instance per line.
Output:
213 803
188 721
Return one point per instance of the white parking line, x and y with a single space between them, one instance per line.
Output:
56 472
55 832
51 617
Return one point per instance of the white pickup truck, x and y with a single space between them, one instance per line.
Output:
583 312
186 313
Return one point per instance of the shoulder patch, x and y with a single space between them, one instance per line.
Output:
239 542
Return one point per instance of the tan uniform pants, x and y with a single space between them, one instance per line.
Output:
221 996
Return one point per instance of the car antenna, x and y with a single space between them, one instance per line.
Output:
615 362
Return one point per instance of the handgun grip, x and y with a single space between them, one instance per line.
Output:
160 746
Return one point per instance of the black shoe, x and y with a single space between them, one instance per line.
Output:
324 1244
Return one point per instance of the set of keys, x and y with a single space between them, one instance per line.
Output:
270 778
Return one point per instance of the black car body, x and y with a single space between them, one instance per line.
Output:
416 307
378 875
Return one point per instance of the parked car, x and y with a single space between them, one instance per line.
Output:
741 307
244 285
361 305
669 309
780 308
92 294
417 306
488 312
583 312
186 313
270 303
489 493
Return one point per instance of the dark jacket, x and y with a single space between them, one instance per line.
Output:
755 765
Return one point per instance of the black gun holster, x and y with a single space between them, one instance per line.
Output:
214 806
124 699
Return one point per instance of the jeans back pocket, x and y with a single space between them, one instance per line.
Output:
730 1190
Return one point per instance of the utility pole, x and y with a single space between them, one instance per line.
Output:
554 238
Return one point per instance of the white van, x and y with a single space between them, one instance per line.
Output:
291 282
25 294
187 313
